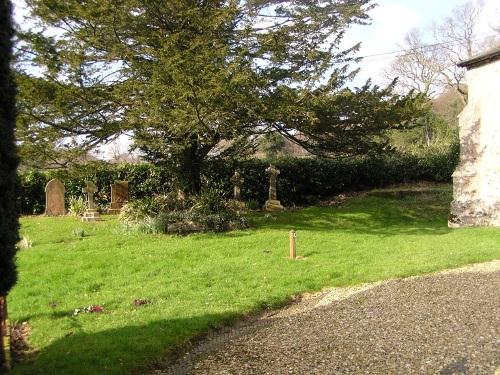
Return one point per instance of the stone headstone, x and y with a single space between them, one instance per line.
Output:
273 204
237 181
119 196
54 198
91 213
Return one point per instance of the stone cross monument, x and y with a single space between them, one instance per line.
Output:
476 181
273 204
237 181
91 213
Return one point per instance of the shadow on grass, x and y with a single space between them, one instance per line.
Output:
126 350
377 213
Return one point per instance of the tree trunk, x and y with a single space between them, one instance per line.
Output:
5 355
189 175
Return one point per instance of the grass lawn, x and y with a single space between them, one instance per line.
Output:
200 281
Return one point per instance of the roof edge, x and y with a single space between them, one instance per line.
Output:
481 59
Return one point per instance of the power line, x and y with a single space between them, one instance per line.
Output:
434 46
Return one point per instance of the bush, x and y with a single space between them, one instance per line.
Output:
302 180
173 214
137 210
76 206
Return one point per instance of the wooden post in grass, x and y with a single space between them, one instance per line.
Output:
293 236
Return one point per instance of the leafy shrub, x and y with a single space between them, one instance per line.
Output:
137 210
76 206
302 180
31 197
170 213
253 204
210 201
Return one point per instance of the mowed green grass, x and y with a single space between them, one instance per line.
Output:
200 281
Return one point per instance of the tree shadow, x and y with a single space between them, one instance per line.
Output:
130 349
378 213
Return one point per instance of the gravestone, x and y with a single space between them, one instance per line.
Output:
54 198
273 204
119 196
237 181
91 213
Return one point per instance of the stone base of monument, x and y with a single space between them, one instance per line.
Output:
115 208
273 205
91 215
474 213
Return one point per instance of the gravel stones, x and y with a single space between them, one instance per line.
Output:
445 323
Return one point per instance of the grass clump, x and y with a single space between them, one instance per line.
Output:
25 243
79 232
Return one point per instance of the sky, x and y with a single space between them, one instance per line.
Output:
391 21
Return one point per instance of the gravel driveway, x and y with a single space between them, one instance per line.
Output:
444 323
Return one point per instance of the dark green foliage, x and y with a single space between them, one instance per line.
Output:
209 211
305 180
31 199
8 158
185 77
301 181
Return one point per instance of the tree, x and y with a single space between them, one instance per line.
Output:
431 68
8 178
185 76
419 67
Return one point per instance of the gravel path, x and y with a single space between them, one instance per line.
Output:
444 323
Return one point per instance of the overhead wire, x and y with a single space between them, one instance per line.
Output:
427 47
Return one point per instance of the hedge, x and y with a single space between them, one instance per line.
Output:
302 180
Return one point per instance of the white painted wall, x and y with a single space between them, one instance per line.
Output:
477 178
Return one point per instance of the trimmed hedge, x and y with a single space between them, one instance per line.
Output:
302 181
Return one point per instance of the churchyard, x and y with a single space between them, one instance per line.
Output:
101 299
256 170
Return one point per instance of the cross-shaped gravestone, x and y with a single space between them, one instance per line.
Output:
273 204
237 181
90 190
273 173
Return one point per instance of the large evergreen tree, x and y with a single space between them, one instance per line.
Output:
8 166
198 79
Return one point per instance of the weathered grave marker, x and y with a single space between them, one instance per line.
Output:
273 204
91 213
54 198
119 196
237 181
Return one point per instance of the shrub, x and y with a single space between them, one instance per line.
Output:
76 206
136 210
302 180
210 201
170 213
253 204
